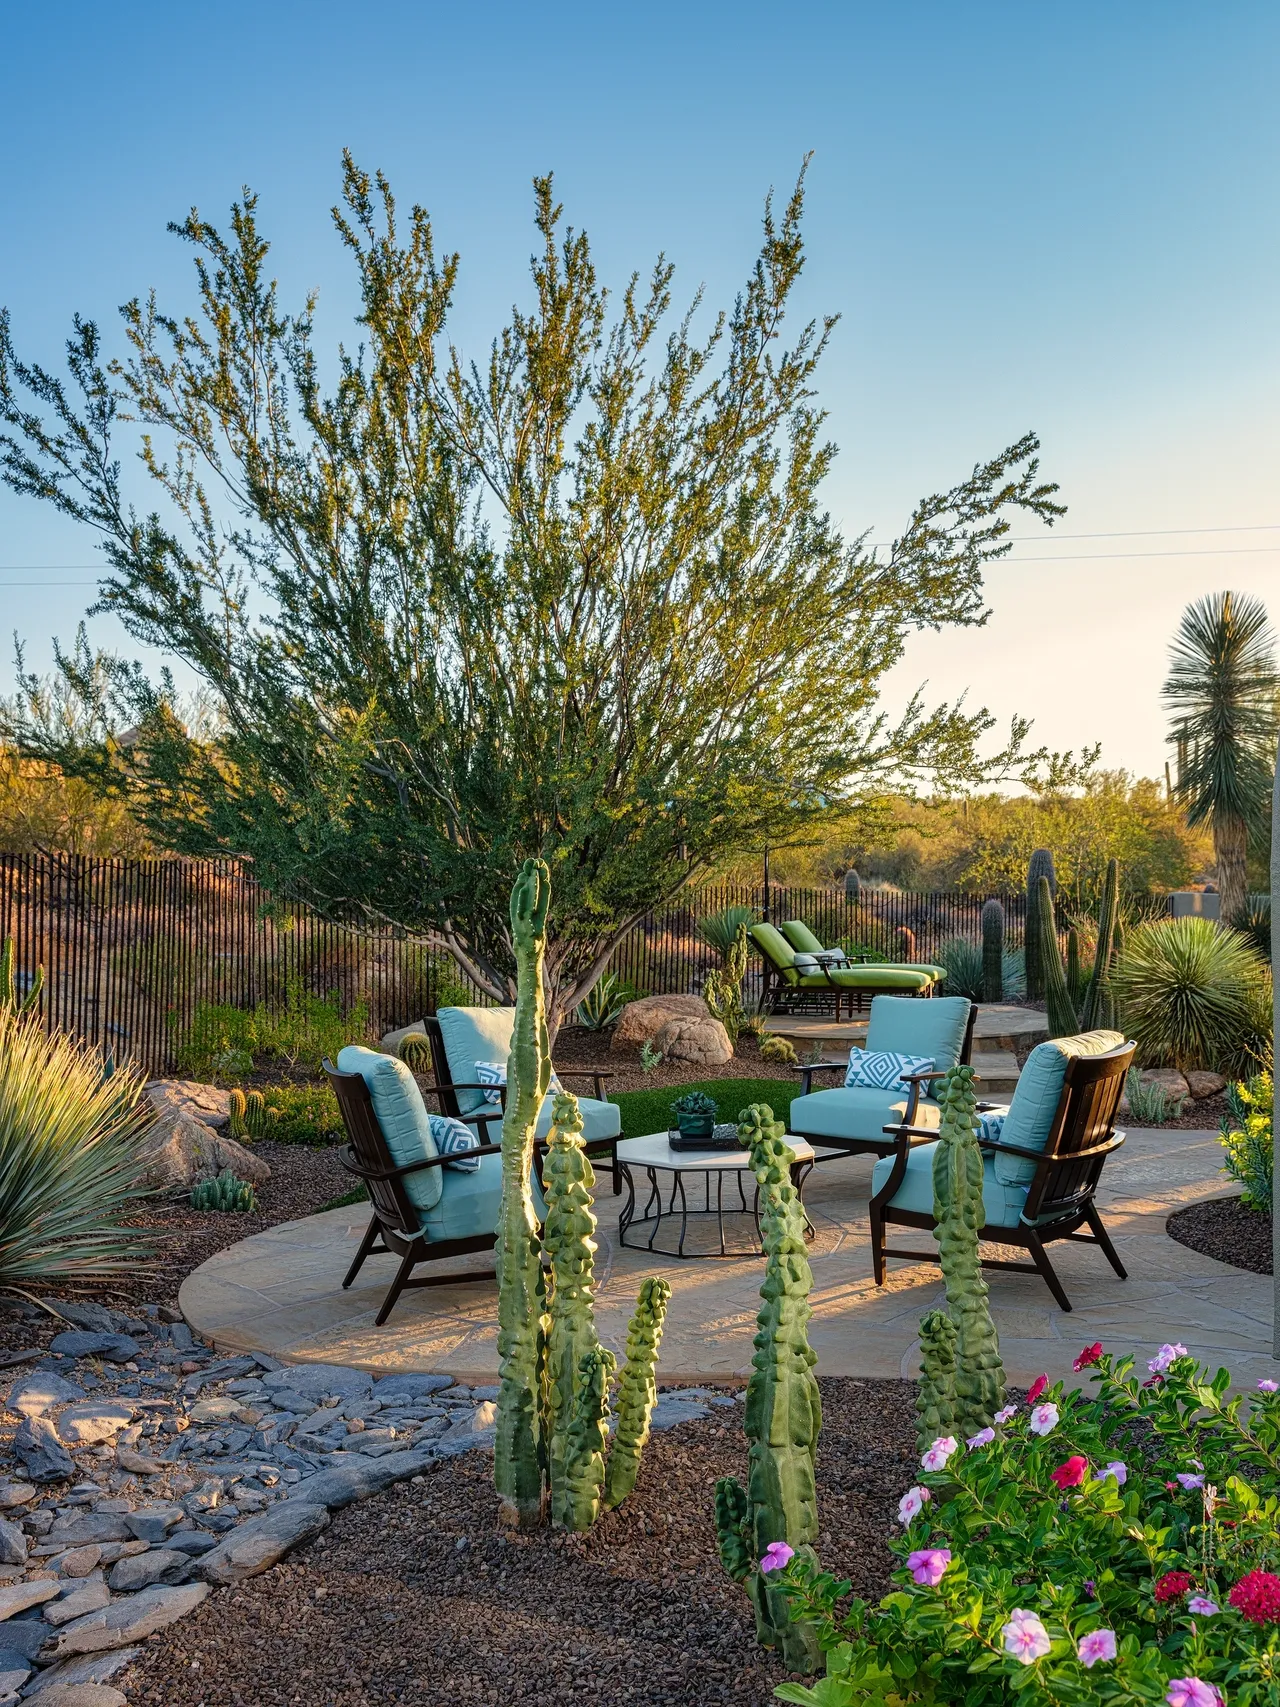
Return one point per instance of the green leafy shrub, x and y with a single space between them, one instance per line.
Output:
963 961
1150 1104
225 1195
650 1057
1083 1551
600 1007
224 1042
70 1136
1193 995
1247 1139
304 1114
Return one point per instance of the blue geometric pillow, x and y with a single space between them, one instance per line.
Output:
495 1073
452 1137
882 1070
990 1126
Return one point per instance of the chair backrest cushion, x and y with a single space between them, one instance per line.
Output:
775 948
800 936
1035 1102
904 1025
471 1035
402 1117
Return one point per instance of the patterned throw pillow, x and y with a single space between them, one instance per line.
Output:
495 1073
452 1137
882 1070
990 1126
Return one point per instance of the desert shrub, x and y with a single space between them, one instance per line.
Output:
963 961
600 1007
1193 995
1150 1104
224 1043
1247 1139
1087 1551
69 1170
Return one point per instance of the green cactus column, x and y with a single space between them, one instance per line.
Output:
960 1216
637 1389
1059 1010
587 1439
1039 865
568 1238
993 952
9 997
936 1390
1099 1002
520 1445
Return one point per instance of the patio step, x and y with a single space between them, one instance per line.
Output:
997 1072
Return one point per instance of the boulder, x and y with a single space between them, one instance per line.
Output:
1205 1084
205 1103
640 1022
702 1042
179 1150
44 1457
124 1621
262 1541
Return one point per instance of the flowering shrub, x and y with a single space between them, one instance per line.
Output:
1118 1548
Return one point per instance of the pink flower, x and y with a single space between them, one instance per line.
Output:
1257 1597
1071 1473
1026 1638
936 1457
777 1555
1205 1607
1087 1358
1268 1386
1006 1415
929 1565
911 1504
1036 1388
984 1437
1116 1469
1190 1481
1192 1692
1044 1419
1097 1645
1164 1357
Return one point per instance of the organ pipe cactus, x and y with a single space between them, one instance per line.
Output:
959 1217
1059 1010
571 1328
783 1410
1099 1002
1075 980
1039 865
9 997
936 1392
993 952
637 1389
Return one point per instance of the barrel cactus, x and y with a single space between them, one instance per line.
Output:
1039 865
236 1106
993 952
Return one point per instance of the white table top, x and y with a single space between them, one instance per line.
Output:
654 1151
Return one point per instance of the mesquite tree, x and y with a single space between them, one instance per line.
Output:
561 603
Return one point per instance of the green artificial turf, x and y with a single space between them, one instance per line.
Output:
650 1111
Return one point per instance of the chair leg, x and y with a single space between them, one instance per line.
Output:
397 1287
1104 1239
366 1245
1041 1259
877 1249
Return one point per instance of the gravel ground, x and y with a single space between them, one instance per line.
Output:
1223 1228
415 1598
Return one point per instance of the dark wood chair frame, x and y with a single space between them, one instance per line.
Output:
779 996
916 1084
1080 1139
395 1217
449 1087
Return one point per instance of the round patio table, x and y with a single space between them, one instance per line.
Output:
653 1155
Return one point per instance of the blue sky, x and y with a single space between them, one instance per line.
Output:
1052 217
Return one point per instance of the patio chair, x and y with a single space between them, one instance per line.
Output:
795 981
1040 1175
425 1206
852 1120
463 1039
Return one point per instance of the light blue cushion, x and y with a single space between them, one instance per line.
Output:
1035 1102
904 1025
470 1203
857 1112
599 1119
471 1035
1002 1202
402 1115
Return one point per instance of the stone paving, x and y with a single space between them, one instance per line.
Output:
280 1292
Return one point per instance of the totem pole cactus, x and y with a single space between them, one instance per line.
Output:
571 1326
722 989
936 1396
783 1409
587 1439
1099 1003
637 1389
520 1445
993 952
9 997
1059 1010
959 1217
1039 865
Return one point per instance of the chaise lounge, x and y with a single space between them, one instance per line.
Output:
797 979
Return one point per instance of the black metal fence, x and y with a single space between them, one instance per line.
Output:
130 948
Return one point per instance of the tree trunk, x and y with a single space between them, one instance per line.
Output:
1230 850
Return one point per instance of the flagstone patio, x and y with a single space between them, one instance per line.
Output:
280 1292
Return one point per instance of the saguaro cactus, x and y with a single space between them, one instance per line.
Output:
936 1391
520 1443
1059 1009
852 886
637 1389
959 1216
9 997
993 952
1075 979
1039 865
1099 1003
783 1410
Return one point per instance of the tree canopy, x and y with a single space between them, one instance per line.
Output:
580 601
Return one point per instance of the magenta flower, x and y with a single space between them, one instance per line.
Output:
1268 1386
984 1437
1116 1469
936 1457
1026 1638
776 1555
1164 1357
1036 1388
1044 1419
1192 1692
1097 1645
1204 1606
1006 1415
911 1504
929 1565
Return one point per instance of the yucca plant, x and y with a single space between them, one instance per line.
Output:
1193 995
600 1007
720 930
70 1138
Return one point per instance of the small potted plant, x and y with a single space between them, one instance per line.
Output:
695 1116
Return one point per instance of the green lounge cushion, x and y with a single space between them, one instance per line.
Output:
402 1116
856 1112
471 1203
873 977
1002 1201
1035 1102
774 946
900 1025
801 937
472 1035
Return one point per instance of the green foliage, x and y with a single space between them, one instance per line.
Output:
1193 995
224 1042
1039 865
783 1413
10 1000
43 811
1059 1009
570 612
694 1103
992 952
304 1114
604 1002
1099 1013
780 1049
1254 925
722 929
722 990
226 1194
967 971
650 1110
70 1138
1150 1105
637 1389
650 1057
1200 1497
1247 1138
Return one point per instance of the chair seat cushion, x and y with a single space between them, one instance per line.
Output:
469 1204
1002 1203
402 1117
855 1112
865 978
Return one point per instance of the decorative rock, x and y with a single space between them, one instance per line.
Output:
698 1042
91 1422
95 1317
44 1457
125 1621
137 1463
41 1392
153 1523
82 1695
671 1410
181 1150
315 1381
1203 1084
409 1386
113 1550
12 1679
342 1487
77 1528
86 1669
16 1494
260 1542
13 1543
17 1597
25 1636
161 1564
206 1103
214 1410
640 1022
78 1342
79 1561
13 1661
191 1542
87 1599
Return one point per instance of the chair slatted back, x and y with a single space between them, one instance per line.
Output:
1085 1118
369 1147
440 1069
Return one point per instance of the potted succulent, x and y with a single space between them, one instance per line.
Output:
695 1116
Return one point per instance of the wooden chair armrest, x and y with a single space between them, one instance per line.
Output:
920 1078
354 1166
586 1073
1112 1143
816 1066
913 1134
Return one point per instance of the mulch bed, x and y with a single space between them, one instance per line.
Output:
1223 1228
415 1598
